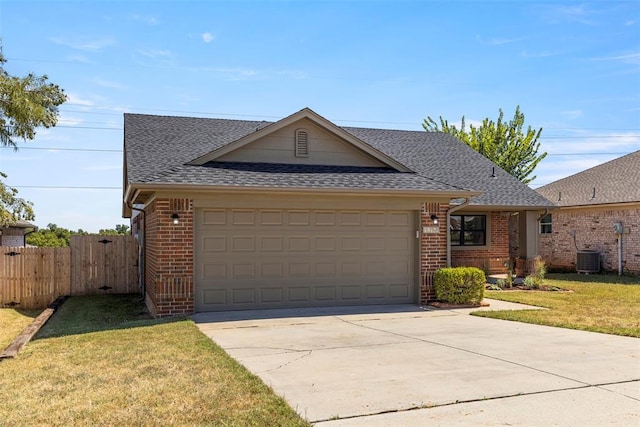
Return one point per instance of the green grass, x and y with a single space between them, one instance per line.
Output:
12 322
598 303
102 361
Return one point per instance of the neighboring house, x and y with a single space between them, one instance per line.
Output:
237 214
16 234
591 203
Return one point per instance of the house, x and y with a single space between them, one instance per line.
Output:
239 214
599 210
16 234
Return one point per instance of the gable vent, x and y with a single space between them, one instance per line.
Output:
302 143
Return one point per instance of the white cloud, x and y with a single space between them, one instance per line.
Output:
572 114
552 169
208 37
74 99
147 19
497 41
543 54
583 142
67 120
629 58
155 53
79 58
89 45
108 83
630 23
579 13
97 168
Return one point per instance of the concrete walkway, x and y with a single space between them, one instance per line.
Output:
405 365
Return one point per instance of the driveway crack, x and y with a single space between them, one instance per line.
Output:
458 402
307 353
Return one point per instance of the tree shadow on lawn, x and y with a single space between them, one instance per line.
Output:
85 314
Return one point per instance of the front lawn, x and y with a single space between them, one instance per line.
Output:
12 322
599 303
102 361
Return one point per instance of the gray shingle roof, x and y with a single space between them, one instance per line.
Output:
616 181
158 148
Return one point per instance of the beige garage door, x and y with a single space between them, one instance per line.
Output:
250 259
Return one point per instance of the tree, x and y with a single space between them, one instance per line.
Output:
26 103
50 237
120 230
13 207
59 237
504 143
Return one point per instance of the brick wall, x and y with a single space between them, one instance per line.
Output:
169 257
494 257
594 231
433 248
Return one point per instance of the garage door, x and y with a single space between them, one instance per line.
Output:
251 259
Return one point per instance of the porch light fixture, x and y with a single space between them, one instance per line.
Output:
434 219
176 219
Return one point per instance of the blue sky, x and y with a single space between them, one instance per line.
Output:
573 67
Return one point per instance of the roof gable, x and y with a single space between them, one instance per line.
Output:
306 118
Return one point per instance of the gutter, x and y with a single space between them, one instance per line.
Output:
449 212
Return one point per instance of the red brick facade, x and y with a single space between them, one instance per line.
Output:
433 248
593 228
169 257
493 258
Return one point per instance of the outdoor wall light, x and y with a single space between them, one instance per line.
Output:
434 219
176 219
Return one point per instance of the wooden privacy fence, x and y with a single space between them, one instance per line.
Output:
92 265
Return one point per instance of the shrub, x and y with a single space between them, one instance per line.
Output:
536 279
530 282
459 285
539 270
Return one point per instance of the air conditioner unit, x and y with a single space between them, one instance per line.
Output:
588 262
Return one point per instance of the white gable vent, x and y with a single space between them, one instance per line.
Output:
302 143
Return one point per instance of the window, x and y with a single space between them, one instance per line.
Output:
545 224
468 230
302 143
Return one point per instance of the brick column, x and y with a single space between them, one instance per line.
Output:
169 252
433 248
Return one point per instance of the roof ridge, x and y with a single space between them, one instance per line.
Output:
591 169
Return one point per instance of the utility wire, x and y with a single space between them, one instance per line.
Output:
61 187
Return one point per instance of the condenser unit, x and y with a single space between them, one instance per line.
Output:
588 262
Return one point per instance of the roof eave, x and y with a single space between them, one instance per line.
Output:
135 189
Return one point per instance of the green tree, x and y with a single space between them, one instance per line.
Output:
13 207
50 237
26 103
120 230
506 144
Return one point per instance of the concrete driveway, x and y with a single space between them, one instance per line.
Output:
404 365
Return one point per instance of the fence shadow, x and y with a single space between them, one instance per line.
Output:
97 313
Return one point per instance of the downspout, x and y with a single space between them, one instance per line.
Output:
449 212
620 254
546 212
24 236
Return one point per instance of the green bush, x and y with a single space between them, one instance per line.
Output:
459 285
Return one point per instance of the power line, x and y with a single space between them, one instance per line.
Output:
278 117
59 187
69 149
